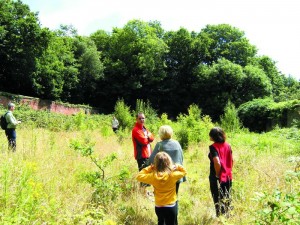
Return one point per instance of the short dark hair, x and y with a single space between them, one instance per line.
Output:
217 134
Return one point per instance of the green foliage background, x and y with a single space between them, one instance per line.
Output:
170 69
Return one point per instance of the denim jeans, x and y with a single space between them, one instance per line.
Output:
11 135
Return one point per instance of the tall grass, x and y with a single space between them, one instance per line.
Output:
43 182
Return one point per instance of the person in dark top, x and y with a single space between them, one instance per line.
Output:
220 177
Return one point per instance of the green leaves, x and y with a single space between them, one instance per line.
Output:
170 69
278 207
22 41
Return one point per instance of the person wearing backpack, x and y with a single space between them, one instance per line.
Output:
220 177
10 131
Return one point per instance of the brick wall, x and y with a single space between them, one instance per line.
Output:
40 104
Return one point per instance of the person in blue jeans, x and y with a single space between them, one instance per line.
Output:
10 131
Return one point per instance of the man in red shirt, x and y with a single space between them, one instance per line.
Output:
141 139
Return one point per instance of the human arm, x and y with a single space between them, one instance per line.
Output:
217 165
215 160
179 171
146 175
140 137
180 154
150 136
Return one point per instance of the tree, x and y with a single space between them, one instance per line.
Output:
181 59
22 41
290 91
269 67
230 120
216 85
102 39
57 70
224 41
90 70
256 84
134 63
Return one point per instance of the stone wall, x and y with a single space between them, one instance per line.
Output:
40 104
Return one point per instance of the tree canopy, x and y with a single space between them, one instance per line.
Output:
170 69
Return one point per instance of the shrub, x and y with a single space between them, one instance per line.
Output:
280 207
230 120
106 188
122 113
192 128
261 114
149 112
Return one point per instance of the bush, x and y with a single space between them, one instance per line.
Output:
122 113
280 207
149 112
192 128
230 120
106 188
261 114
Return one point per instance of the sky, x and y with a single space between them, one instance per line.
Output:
271 25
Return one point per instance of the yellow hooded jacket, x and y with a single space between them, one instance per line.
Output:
164 184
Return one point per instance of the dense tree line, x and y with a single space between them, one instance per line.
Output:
171 69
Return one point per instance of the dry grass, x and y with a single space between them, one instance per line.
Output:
55 170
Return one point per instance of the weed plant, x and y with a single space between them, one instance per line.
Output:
49 181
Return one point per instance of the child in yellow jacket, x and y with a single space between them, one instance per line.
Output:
163 176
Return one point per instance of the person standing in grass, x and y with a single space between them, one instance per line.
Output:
163 176
141 138
220 177
170 146
115 124
10 131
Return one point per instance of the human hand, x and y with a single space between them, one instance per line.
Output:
175 167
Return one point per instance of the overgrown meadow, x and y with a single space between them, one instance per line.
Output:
75 170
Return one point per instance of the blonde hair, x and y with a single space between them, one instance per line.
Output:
165 132
163 162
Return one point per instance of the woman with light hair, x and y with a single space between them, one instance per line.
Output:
170 146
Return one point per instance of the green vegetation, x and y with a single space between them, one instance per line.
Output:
259 113
76 170
170 69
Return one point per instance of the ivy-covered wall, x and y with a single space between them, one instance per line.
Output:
264 114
